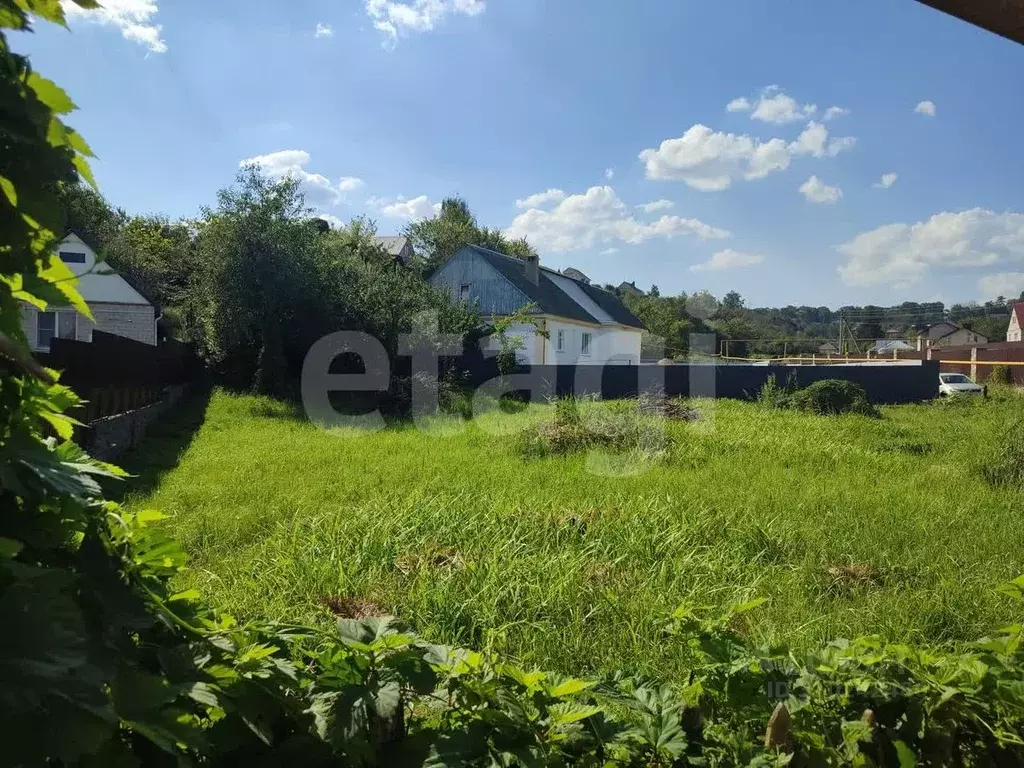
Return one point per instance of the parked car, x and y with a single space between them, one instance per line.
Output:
958 384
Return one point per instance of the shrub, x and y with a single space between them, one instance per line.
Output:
613 429
773 395
1000 374
831 397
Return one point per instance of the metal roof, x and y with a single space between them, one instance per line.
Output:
558 294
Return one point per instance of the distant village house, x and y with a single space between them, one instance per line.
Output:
116 307
575 323
1013 332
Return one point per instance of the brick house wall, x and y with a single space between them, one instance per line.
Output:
132 321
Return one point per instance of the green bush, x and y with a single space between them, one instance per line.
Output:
773 395
1000 374
607 427
831 397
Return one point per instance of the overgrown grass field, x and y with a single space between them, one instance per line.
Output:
847 525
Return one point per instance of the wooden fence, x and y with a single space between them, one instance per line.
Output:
116 375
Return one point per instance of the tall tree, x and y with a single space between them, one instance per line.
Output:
437 238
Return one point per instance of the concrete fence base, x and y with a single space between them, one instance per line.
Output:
108 438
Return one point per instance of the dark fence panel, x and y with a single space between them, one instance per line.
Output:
888 384
116 375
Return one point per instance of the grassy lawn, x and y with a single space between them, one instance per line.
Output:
848 525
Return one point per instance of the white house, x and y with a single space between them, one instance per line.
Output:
575 323
116 307
1013 333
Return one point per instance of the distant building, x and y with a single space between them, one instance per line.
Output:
629 288
116 307
946 334
828 348
888 346
575 274
1014 332
572 322
395 245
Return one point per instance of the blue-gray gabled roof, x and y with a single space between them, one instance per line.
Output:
550 298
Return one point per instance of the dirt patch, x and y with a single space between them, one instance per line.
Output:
353 607
445 559
849 577
660 405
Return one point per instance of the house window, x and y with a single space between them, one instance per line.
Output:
560 341
585 344
69 257
464 292
46 329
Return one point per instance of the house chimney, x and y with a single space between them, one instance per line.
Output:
533 268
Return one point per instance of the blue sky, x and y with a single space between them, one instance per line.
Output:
715 111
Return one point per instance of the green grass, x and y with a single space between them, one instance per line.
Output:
848 525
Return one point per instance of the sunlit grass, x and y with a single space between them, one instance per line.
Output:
461 536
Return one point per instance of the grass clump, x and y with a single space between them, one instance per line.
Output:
1006 468
1000 375
611 429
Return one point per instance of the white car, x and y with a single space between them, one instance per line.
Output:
958 384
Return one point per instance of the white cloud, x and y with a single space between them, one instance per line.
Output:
887 180
609 173
1009 284
901 254
324 30
609 251
317 188
133 17
710 160
814 140
728 259
598 217
350 183
925 108
833 112
773 106
816 191
401 208
656 205
395 18
541 198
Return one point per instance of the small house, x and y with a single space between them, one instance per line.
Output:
116 307
1013 332
946 334
572 321
399 248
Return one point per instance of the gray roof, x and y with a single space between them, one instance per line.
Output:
393 244
550 298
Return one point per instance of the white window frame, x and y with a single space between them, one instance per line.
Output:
57 313
39 325
72 257
560 341
464 289
586 343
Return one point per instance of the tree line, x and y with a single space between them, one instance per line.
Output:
254 280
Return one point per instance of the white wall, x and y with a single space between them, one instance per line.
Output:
608 344
1013 333
110 288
